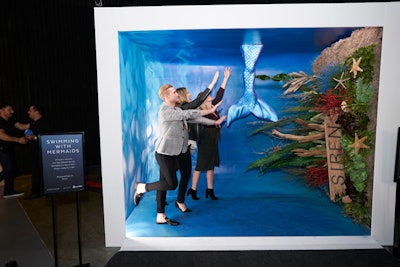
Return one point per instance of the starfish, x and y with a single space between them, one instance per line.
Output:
341 81
359 143
356 67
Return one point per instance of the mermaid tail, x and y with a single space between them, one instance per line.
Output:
249 103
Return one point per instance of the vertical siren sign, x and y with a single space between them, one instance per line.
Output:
334 152
63 162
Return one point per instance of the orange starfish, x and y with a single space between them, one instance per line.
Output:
359 143
356 67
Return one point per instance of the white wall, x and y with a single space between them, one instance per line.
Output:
108 21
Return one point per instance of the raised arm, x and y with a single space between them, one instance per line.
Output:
9 138
201 96
204 112
21 126
221 91
206 121
198 101
214 80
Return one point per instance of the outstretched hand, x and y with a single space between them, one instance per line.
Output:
219 121
227 72
22 140
204 112
214 108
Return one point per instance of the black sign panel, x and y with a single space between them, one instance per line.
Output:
63 162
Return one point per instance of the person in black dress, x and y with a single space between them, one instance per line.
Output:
208 153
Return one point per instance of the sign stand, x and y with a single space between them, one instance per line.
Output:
78 220
53 213
63 168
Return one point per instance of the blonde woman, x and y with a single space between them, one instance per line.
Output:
184 95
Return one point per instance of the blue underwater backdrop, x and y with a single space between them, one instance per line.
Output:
274 204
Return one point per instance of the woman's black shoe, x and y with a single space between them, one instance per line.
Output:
193 193
169 222
186 210
210 192
137 197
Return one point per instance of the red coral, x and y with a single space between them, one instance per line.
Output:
316 176
329 103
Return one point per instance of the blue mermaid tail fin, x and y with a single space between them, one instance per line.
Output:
263 111
249 103
259 109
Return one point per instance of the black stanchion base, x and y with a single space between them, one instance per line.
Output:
82 265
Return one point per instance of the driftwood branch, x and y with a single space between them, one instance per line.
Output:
299 138
298 80
307 125
309 153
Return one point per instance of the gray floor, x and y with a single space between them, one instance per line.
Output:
27 234
26 229
20 240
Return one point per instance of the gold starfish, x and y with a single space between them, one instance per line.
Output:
356 67
341 81
359 143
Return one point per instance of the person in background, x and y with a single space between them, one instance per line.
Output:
8 138
38 125
172 152
208 153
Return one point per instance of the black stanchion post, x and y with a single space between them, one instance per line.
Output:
53 212
78 220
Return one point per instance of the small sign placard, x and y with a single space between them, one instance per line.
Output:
62 162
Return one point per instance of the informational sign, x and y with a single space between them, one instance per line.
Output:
63 162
